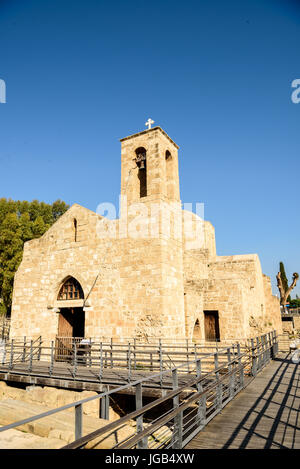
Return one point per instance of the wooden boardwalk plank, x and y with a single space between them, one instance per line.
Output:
265 415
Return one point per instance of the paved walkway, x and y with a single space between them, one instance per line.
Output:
263 416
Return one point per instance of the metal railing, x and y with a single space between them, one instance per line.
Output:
4 327
15 352
46 357
211 381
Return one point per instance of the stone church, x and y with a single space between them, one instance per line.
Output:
152 272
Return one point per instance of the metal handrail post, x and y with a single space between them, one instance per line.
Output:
276 342
4 352
78 421
11 359
30 356
241 368
129 362
40 348
143 443
101 362
254 359
201 412
259 353
24 349
104 405
75 360
232 375
178 419
161 363
51 359
219 385
111 353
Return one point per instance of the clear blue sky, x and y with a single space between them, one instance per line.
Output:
215 75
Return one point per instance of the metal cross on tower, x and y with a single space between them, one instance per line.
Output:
149 123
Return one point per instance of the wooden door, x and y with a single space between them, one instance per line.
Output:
65 323
64 341
211 325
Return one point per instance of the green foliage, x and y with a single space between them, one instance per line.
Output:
295 303
21 221
284 279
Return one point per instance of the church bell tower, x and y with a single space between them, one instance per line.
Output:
153 271
149 168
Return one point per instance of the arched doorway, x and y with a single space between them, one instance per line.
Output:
71 320
197 332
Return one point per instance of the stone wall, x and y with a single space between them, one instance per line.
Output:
49 260
52 397
236 288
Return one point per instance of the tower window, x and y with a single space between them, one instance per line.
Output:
169 174
142 165
168 155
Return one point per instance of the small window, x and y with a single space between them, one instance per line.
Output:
70 290
75 229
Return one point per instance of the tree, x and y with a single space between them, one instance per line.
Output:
21 221
284 279
284 289
58 209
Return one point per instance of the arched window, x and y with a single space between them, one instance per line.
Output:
70 290
142 165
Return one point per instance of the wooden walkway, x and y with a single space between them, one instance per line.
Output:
87 378
265 415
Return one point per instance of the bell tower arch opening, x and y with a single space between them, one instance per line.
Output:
170 176
141 162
